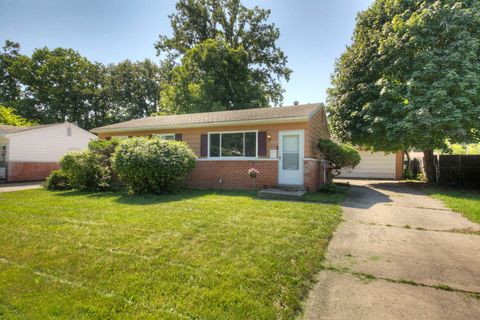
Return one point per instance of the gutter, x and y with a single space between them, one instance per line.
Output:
202 125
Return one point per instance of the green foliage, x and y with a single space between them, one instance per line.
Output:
473 148
10 89
133 88
411 77
60 84
57 180
212 77
8 116
85 171
104 148
240 28
152 165
340 155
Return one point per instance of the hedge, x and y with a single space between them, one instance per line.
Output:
152 165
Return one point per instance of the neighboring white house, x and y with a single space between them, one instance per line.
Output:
31 153
376 165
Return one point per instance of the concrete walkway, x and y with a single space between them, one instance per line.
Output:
9 187
399 255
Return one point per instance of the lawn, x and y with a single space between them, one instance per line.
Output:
465 202
193 255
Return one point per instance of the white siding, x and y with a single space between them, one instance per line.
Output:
375 165
47 144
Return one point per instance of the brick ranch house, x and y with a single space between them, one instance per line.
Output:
279 142
31 153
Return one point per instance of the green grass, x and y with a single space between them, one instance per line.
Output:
193 255
334 193
465 202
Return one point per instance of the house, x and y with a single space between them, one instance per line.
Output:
31 153
280 142
376 165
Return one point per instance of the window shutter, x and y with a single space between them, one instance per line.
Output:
204 145
262 143
178 137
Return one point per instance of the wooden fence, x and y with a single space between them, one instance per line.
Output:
459 170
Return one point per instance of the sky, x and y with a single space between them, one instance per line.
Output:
313 33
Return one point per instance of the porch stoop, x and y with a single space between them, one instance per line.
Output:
281 194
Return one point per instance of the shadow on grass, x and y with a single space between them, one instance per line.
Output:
123 197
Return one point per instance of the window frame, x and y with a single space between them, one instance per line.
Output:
220 145
162 136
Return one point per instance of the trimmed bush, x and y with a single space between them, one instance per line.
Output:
57 180
152 165
104 148
85 171
340 155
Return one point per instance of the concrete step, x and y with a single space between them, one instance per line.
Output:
291 187
280 194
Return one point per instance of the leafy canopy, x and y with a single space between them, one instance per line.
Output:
196 21
340 155
212 76
8 116
411 77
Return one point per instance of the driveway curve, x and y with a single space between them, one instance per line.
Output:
399 254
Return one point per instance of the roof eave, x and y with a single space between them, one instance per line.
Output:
200 125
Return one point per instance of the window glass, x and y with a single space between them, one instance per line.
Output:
232 145
215 145
165 136
290 161
235 144
250 144
291 155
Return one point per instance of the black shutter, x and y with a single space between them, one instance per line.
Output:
204 145
178 137
262 143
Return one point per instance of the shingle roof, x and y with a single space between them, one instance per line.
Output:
7 129
206 118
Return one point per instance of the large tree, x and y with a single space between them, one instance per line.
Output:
10 89
60 85
133 87
212 76
411 77
198 20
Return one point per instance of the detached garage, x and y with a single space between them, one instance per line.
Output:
31 153
377 165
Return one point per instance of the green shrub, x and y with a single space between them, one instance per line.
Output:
340 155
57 180
104 148
152 165
85 171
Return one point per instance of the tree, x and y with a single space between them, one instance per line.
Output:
211 77
60 85
411 78
134 88
8 116
198 20
10 89
340 156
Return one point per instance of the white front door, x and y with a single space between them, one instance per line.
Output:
290 150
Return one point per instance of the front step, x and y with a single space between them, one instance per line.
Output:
281 194
291 187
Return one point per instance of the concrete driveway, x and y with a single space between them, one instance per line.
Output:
399 254
9 187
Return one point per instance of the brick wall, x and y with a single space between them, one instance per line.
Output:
311 174
232 174
30 171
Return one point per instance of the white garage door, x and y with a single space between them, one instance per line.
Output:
375 165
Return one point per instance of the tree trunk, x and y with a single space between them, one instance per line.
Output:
429 166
